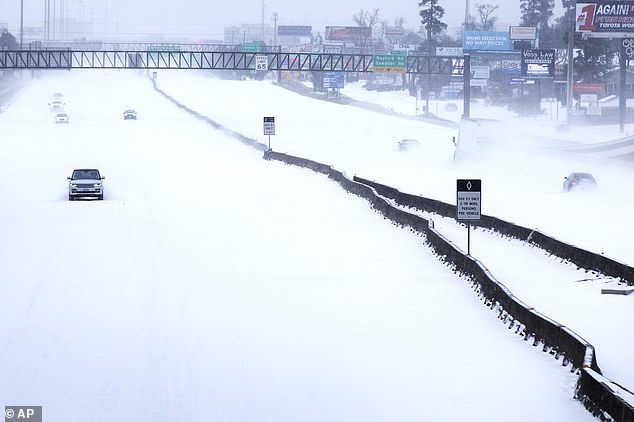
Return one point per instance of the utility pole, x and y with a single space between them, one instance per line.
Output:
262 20
46 18
279 72
571 43
21 22
54 11
275 29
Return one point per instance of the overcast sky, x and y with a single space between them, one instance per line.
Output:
209 17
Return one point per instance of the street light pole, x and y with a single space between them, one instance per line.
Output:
275 29
21 22
571 42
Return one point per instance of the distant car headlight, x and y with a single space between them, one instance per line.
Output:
73 185
97 185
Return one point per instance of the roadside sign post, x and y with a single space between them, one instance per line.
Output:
269 128
468 204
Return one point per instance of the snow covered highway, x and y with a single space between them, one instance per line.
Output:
211 284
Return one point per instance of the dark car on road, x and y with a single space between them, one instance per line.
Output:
579 180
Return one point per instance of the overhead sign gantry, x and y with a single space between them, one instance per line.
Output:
217 60
229 60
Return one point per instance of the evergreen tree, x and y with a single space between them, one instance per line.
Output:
431 15
7 41
536 13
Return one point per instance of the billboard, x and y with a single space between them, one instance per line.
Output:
332 49
523 32
538 63
449 51
347 33
486 41
510 66
605 19
294 31
480 72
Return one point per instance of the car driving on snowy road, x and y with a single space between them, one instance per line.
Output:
129 115
579 180
85 183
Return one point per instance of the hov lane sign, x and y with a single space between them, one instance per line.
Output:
468 205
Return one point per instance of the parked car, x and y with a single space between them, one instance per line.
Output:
408 145
85 183
579 180
129 115
57 105
61 118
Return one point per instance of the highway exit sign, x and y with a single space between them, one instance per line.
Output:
389 63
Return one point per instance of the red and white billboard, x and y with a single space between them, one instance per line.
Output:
347 33
605 19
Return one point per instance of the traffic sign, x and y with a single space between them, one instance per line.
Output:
261 62
252 47
449 51
334 80
389 63
269 125
469 199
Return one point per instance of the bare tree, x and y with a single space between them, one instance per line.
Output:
366 19
485 21
486 16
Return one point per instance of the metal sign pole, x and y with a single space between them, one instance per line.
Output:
469 238
269 128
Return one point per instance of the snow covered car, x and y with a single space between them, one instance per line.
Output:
57 105
408 145
579 180
129 115
61 118
85 183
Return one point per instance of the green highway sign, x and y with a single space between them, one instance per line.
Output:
252 47
389 63
164 47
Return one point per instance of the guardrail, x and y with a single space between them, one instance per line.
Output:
580 257
592 390
599 395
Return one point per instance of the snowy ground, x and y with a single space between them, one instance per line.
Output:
521 183
213 285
